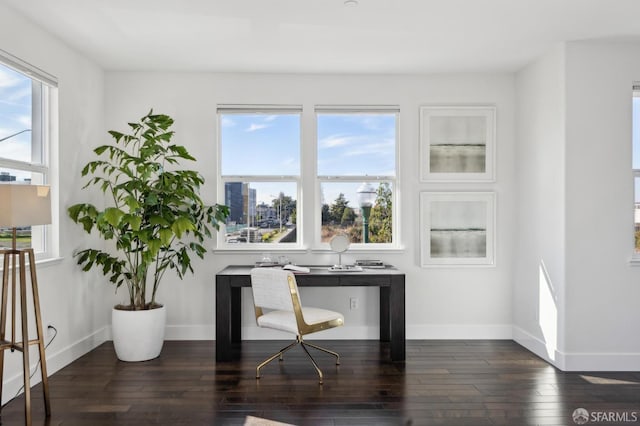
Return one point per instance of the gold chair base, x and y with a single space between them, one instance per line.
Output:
304 345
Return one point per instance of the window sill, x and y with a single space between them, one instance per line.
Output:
356 249
44 263
303 250
259 250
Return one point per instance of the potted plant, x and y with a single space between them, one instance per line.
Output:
156 218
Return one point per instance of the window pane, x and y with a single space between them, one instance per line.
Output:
26 237
341 213
260 144
261 212
356 144
20 176
15 115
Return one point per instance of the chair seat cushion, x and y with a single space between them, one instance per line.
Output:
286 320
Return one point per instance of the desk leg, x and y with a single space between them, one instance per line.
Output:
236 314
397 306
223 318
385 319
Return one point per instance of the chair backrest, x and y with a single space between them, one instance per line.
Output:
271 288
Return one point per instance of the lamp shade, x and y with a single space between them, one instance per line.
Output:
24 205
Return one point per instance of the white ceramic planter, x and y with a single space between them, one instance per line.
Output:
138 335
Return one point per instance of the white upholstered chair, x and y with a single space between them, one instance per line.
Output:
277 305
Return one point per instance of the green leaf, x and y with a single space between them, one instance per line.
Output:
113 215
166 235
87 223
158 220
154 247
134 221
182 225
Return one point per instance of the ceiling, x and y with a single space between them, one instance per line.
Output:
325 36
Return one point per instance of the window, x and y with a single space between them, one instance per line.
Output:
259 151
25 94
356 174
349 175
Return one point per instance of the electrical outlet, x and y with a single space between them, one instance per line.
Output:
50 330
353 303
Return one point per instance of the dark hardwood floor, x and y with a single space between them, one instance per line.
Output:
441 383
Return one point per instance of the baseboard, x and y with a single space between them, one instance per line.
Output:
55 361
446 332
208 332
539 347
457 332
575 361
190 332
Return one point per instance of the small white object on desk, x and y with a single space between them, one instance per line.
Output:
346 268
296 269
370 263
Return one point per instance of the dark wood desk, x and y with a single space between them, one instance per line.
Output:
230 280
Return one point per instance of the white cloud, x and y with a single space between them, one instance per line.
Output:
8 80
16 150
333 141
288 162
270 118
25 120
254 126
227 122
17 95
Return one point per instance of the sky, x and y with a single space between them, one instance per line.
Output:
15 116
269 145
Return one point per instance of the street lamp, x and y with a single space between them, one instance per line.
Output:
15 134
279 209
366 198
280 215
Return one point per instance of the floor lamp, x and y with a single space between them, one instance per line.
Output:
23 205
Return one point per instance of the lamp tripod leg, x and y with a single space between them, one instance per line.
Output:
3 316
26 368
36 309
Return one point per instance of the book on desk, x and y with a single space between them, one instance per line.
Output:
296 269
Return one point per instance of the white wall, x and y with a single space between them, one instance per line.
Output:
538 302
441 303
576 208
69 300
603 290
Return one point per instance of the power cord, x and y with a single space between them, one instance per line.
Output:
55 333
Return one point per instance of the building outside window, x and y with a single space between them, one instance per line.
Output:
25 107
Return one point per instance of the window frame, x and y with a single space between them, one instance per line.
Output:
43 116
635 172
259 109
394 180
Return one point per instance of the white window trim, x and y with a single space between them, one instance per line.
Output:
635 257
